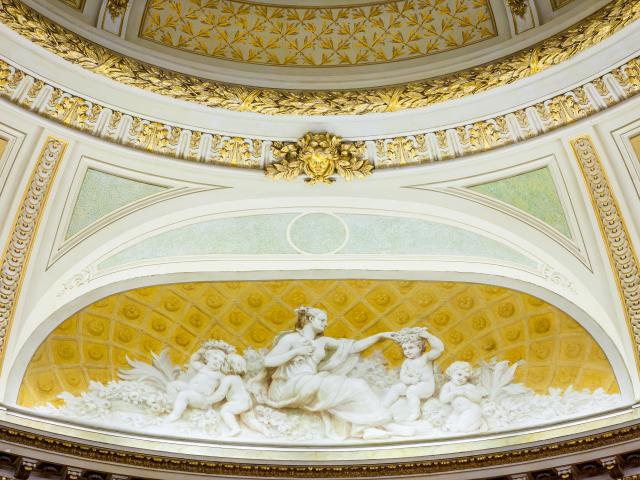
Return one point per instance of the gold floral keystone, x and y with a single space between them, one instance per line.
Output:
319 156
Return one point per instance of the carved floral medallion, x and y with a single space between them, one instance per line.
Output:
319 156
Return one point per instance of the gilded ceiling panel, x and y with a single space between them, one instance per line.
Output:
312 36
475 322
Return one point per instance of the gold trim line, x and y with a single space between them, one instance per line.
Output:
70 46
381 470
25 226
110 123
622 255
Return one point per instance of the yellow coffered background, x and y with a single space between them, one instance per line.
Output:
476 322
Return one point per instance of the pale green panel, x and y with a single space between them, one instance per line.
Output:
251 235
369 234
101 193
351 234
318 233
532 192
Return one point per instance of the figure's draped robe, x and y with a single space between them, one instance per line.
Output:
348 405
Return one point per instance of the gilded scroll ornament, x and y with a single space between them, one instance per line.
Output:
84 114
105 121
622 255
605 22
518 7
117 8
25 225
319 156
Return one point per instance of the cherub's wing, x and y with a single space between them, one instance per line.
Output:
159 373
496 378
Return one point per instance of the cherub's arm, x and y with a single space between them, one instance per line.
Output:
222 390
447 393
437 347
473 393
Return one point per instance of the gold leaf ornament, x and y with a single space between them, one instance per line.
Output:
319 156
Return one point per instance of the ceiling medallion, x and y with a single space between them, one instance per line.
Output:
319 156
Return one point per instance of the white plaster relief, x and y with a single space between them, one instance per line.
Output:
312 388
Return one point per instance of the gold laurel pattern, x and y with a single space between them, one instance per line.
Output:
476 322
622 255
517 457
201 146
316 36
25 226
601 25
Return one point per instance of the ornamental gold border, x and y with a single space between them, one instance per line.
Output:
72 47
25 226
622 255
71 447
109 123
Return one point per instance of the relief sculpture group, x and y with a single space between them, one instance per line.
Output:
312 387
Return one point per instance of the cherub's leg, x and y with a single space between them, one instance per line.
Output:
415 394
180 405
394 393
471 420
228 413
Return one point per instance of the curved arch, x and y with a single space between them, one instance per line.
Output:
141 277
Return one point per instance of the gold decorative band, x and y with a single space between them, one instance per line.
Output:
72 447
622 255
23 233
43 32
114 125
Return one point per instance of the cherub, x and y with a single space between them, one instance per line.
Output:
417 379
202 379
232 388
464 397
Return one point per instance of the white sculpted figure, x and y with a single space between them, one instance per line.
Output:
417 379
233 390
203 377
311 374
312 387
464 397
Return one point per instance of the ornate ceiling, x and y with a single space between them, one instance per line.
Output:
283 46
512 234
317 35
